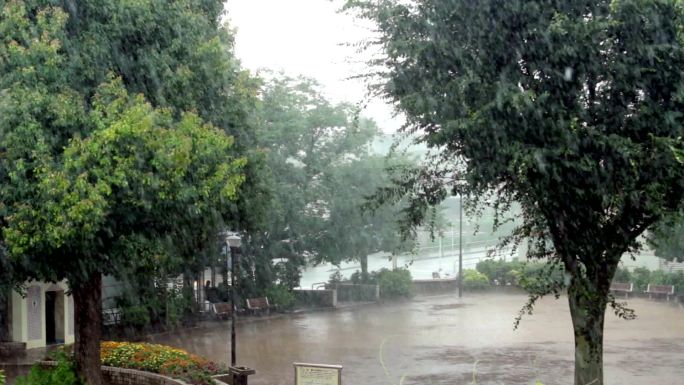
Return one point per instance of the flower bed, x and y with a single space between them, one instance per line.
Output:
160 359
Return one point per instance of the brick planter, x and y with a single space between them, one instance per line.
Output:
112 376
120 376
9 349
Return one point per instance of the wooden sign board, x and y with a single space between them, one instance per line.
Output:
314 374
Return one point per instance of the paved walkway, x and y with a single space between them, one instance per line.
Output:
443 341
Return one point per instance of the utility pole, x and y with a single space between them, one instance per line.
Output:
233 308
460 246
233 240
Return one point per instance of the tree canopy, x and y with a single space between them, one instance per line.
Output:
667 238
139 174
321 167
353 231
573 109
125 126
305 136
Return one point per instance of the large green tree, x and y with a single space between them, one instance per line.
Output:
133 180
180 56
90 174
352 230
667 238
573 109
319 157
305 137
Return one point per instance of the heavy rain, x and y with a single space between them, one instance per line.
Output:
328 192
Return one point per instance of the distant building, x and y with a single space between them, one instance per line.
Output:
45 316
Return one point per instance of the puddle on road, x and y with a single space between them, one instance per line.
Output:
449 306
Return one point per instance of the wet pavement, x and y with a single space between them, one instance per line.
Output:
441 340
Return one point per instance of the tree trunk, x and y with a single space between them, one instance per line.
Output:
587 309
189 297
88 325
364 268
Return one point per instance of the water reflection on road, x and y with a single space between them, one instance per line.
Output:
438 340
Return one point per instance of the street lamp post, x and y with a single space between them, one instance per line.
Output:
232 240
460 246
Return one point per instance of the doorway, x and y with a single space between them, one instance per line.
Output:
5 317
54 317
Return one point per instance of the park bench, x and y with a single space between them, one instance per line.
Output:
258 305
111 317
622 287
222 310
660 290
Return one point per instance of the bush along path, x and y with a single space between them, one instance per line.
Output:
165 360
161 359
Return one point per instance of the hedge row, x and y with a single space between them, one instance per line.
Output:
530 275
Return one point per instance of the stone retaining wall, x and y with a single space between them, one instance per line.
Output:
357 293
434 286
112 376
316 298
118 376
9 349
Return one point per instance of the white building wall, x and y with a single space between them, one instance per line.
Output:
29 318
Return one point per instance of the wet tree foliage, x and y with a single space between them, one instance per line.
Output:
321 171
573 109
124 134
667 238
130 137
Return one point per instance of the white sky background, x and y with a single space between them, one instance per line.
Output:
307 37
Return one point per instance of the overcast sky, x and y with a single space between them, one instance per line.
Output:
306 37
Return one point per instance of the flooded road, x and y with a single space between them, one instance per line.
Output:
441 340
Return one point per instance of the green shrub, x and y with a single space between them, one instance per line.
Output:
659 277
500 271
528 275
223 291
364 279
2 377
473 279
335 277
281 297
677 279
161 359
135 315
641 277
176 306
541 277
394 283
62 374
622 275
538 277
512 277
